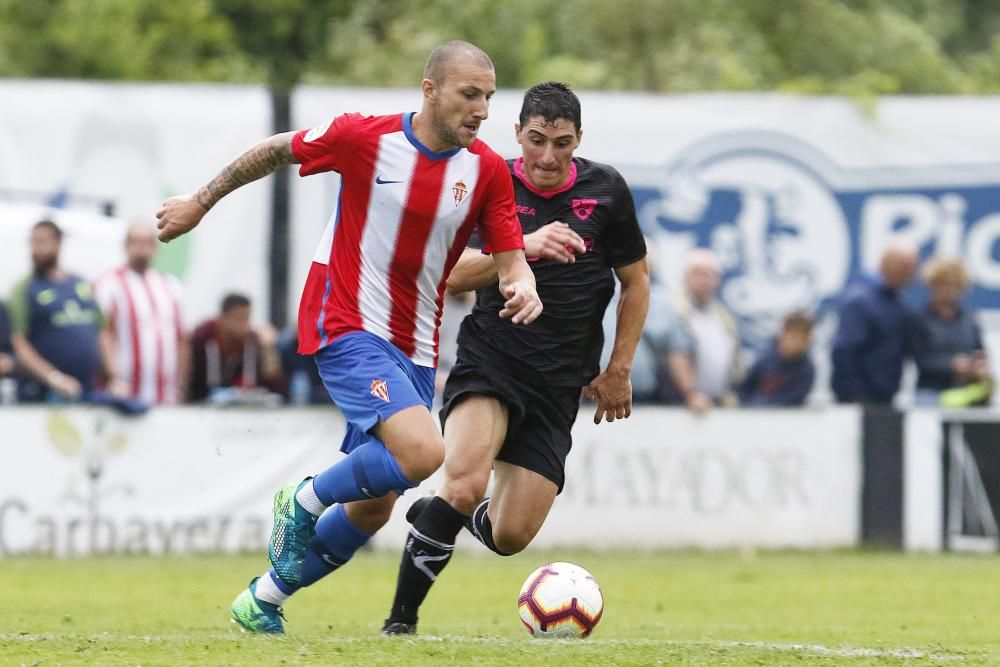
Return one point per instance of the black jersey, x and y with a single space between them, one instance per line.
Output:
563 346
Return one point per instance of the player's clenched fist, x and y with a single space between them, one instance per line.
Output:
178 215
523 305
554 241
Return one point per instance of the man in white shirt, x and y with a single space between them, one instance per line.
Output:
704 344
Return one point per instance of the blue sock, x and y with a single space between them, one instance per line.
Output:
336 541
370 471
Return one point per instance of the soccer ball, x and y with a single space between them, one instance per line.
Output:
560 600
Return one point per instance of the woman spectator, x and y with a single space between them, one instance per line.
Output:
948 346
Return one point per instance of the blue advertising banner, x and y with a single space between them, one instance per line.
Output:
792 229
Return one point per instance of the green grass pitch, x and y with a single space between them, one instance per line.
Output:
716 608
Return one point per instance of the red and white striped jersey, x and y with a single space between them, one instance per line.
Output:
404 215
143 311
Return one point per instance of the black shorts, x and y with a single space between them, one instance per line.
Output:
539 420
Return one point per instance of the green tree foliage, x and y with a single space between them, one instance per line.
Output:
854 47
281 35
120 39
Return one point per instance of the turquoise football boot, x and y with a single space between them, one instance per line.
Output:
256 616
294 528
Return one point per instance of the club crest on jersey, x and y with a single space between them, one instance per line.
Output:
584 207
459 190
380 389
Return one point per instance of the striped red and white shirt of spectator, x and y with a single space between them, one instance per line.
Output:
145 316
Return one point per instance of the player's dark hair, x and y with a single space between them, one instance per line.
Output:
797 321
49 225
231 301
551 100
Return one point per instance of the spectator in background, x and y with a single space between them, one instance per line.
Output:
650 364
7 361
8 365
142 308
783 374
227 352
56 325
948 346
704 346
873 337
305 386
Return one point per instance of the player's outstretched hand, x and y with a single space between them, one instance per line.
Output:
179 215
554 241
613 392
523 305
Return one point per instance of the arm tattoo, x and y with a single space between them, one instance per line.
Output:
261 160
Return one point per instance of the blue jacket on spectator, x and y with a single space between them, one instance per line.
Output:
773 380
871 342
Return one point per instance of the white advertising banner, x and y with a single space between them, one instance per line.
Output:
179 480
749 478
85 146
667 478
184 480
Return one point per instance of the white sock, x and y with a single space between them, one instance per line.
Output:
306 496
268 591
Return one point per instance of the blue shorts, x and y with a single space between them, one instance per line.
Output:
371 380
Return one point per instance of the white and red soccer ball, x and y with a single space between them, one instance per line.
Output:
560 600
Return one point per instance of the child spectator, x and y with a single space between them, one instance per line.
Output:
784 374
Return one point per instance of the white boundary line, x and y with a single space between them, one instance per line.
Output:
818 649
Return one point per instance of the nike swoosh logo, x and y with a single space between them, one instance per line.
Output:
379 181
420 562
331 561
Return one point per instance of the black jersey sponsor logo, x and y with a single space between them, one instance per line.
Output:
584 207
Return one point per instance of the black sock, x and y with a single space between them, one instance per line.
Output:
481 528
428 549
